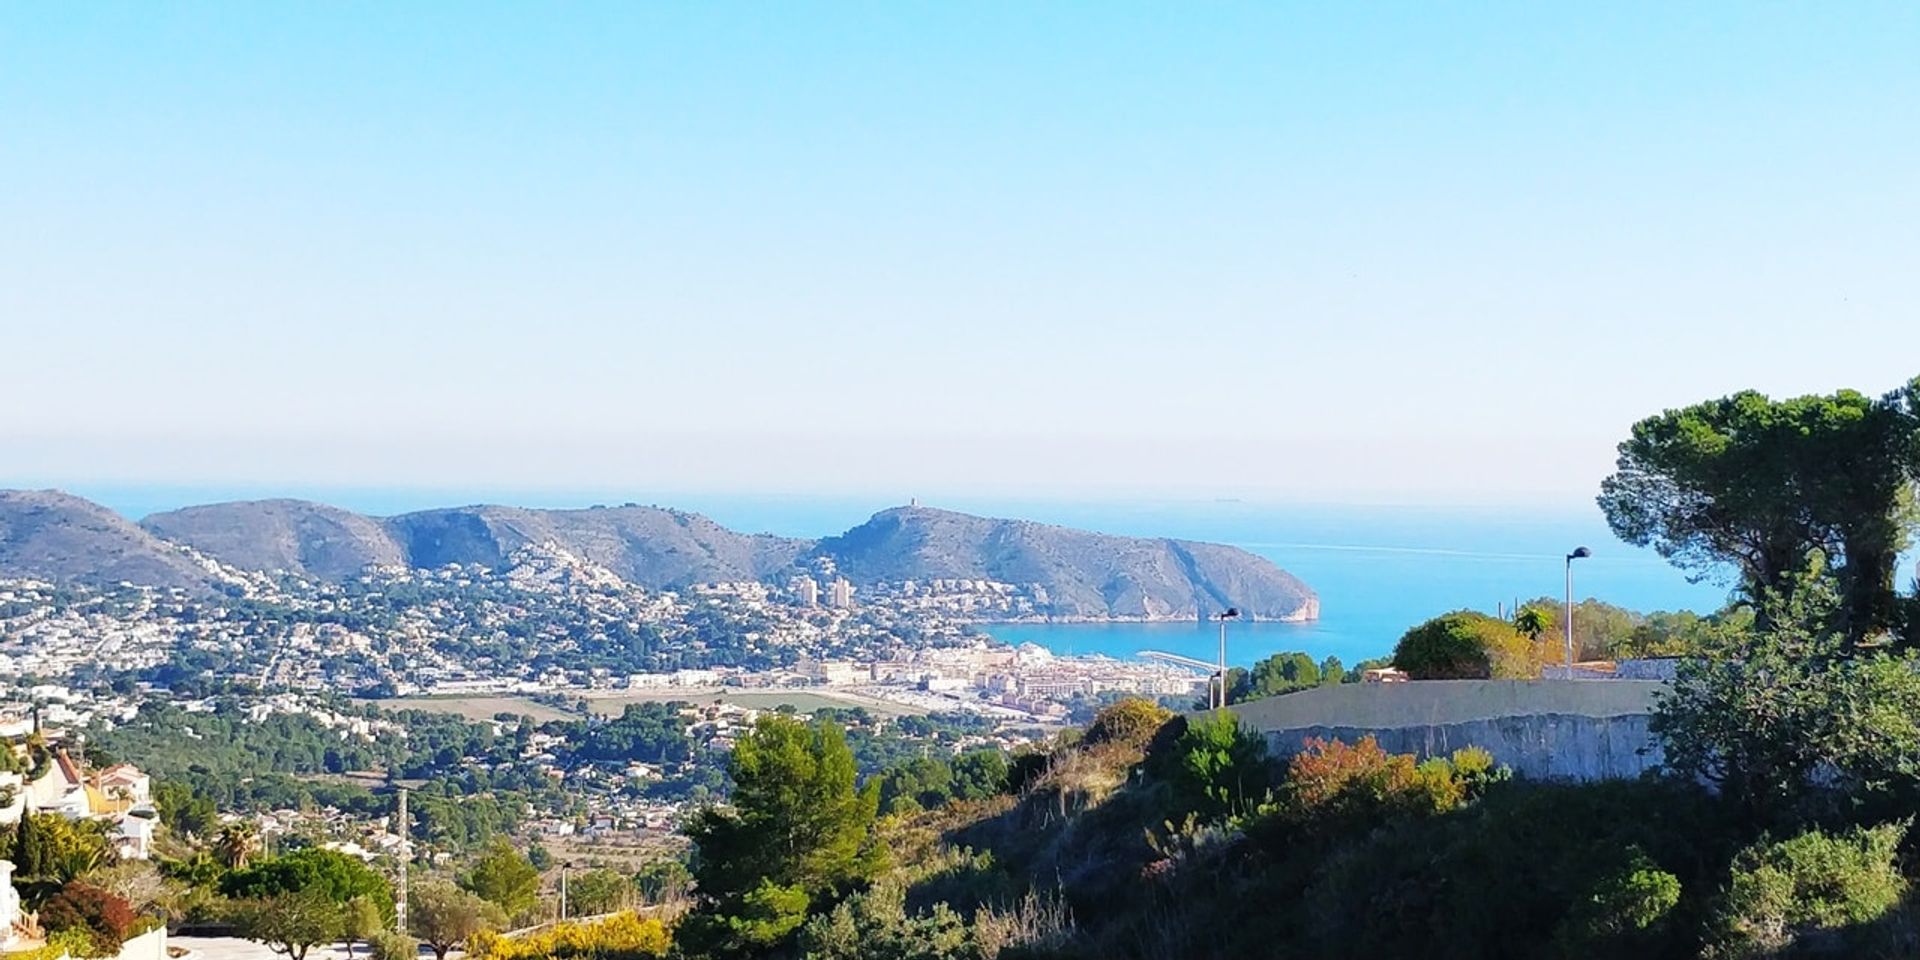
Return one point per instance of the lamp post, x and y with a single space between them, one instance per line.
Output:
1579 553
1231 613
565 868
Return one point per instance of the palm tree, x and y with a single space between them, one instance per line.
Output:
237 844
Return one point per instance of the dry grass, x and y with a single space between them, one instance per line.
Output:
805 701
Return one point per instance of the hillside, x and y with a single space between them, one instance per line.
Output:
646 545
49 535
1084 574
1071 574
295 536
651 546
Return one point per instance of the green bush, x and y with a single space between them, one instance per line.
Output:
1464 646
1626 912
393 945
1815 882
1531 870
1131 722
1218 768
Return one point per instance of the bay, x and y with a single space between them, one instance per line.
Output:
1377 569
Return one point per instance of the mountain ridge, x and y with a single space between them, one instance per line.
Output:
1079 574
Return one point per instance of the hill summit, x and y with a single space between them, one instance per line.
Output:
1076 574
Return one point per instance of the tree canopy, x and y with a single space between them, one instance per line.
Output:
333 875
1768 487
505 878
444 916
1792 722
797 830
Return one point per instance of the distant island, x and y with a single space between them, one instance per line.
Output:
1019 570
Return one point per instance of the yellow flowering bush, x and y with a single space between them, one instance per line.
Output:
623 936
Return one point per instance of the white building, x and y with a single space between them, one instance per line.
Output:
125 781
806 591
840 594
61 790
9 904
134 839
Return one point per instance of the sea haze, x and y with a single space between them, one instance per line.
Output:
1377 569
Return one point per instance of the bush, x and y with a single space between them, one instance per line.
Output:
67 943
393 945
875 925
1218 768
107 918
1131 722
623 936
1334 786
1625 913
1815 882
1531 870
1025 768
1465 646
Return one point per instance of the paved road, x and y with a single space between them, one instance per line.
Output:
234 948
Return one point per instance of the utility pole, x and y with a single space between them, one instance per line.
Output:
404 828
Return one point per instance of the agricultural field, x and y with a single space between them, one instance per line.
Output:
805 701
476 707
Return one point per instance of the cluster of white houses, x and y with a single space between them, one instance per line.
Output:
120 794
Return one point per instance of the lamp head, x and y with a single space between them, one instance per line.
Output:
1579 553
1232 613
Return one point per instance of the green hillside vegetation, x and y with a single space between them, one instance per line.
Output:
1150 835
1779 827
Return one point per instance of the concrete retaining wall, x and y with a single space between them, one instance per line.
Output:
151 945
1537 746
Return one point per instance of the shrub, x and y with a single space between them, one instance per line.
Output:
1530 870
1025 768
1219 768
623 936
1464 645
875 925
107 918
1623 914
393 945
1783 891
1130 722
78 942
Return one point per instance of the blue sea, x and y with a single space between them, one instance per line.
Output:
1377 569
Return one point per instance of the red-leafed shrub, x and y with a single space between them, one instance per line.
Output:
1332 782
79 905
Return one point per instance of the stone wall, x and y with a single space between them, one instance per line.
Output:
1537 746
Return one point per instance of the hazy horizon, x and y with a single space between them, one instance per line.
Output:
1291 251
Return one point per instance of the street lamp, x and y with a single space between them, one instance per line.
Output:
1231 613
1579 553
565 868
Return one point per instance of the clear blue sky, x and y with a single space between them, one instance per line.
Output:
1422 252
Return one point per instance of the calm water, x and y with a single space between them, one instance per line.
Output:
1378 570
